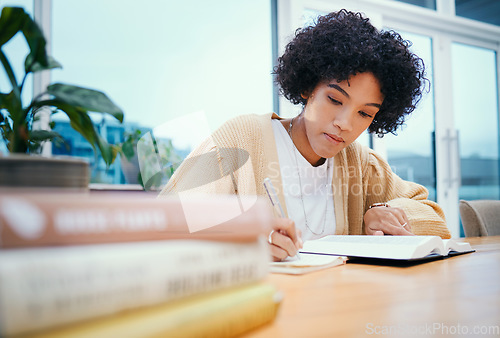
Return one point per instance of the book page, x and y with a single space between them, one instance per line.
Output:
386 247
403 248
452 246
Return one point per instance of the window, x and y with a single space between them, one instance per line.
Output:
475 101
431 4
411 152
452 138
482 10
160 60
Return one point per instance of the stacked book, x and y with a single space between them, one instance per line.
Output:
114 266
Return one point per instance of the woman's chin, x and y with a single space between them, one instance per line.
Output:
329 152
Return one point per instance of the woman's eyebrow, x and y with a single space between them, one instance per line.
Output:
335 86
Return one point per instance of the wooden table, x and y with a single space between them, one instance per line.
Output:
458 296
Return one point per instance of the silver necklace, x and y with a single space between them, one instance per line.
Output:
300 184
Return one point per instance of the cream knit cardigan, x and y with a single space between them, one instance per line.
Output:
242 152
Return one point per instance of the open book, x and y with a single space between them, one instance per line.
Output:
405 248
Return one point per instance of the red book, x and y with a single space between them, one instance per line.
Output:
52 219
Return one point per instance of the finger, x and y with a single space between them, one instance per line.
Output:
277 253
378 233
300 242
390 225
397 217
385 221
371 231
396 230
287 227
403 219
408 228
284 242
279 238
399 214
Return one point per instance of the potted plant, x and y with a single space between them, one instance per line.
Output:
16 117
129 161
147 160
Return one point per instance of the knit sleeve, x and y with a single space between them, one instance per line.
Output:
383 185
218 164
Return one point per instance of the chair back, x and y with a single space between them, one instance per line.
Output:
480 217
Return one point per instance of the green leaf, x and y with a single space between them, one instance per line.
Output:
107 152
128 150
87 99
36 41
51 64
81 122
10 74
11 104
12 21
40 135
3 101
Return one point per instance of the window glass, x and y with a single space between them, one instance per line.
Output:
310 16
161 60
484 10
411 152
431 4
475 103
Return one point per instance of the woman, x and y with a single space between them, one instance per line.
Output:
349 77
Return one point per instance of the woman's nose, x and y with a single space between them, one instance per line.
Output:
343 119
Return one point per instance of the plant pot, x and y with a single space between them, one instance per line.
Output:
33 171
130 169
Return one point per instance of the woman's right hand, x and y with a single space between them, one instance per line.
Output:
284 240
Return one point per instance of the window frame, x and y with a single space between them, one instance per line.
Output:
444 28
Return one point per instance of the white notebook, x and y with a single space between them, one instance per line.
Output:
304 263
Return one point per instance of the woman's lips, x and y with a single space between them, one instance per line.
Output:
333 138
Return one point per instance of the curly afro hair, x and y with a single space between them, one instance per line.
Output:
343 44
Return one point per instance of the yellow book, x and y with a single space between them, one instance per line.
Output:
225 313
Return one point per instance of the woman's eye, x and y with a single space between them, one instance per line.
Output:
334 101
362 113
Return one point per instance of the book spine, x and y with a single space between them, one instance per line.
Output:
228 313
31 221
46 287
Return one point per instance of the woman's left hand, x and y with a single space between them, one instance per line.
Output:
387 221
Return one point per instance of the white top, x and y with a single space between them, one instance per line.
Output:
307 189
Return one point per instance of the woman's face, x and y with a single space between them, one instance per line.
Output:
336 113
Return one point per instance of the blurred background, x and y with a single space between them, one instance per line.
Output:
193 62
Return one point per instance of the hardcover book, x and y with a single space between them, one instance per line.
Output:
407 248
49 286
227 313
49 219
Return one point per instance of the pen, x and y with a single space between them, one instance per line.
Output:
275 202
273 197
